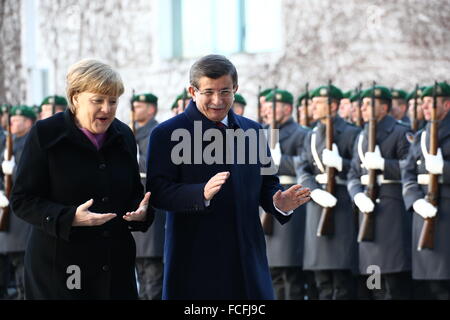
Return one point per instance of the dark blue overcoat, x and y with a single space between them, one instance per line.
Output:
214 252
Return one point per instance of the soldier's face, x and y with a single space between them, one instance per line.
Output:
238 109
355 111
366 110
320 108
143 111
47 111
345 108
20 125
211 96
398 109
442 107
419 111
280 112
95 112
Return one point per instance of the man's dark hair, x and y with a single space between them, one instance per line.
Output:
212 66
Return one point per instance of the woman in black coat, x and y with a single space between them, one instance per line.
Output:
78 185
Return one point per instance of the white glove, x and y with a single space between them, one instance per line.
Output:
8 166
331 158
434 164
323 198
364 203
424 208
374 160
4 202
276 154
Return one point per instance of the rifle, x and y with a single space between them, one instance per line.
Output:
54 105
414 113
132 124
305 120
326 223
267 218
259 105
4 218
367 228
184 99
359 121
426 239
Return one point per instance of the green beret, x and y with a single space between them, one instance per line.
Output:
348 94
302 97
442 90
265 92
281 96
322 91
413 94
379 93
146 97
185 94
239 99
23 111
398 94
4 108
57 100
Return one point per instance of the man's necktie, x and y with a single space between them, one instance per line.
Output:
221 125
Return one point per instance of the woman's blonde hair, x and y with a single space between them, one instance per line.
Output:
90 75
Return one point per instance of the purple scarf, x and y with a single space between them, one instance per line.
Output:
96 139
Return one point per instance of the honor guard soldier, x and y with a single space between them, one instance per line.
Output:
13 241
149 244
414 100
426 191
239 104
285 242
390 248
332 257
51 105
399 106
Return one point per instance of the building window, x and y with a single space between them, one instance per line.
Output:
193 28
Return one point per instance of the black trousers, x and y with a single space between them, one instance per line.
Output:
150 277
335 284
4 275
432 289
288 283
393 286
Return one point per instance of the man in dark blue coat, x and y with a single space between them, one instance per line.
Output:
215 246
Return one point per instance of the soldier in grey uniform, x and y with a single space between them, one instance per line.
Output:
13 241
431 266
333 257
410 98
149 244
239 104
390 249
285 244
399 107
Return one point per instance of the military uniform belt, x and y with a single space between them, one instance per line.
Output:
424 179
322 179
380 180
285 180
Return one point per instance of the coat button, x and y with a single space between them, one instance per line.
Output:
105 268
48 218
102 166
105 199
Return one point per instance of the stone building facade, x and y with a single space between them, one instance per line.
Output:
397 43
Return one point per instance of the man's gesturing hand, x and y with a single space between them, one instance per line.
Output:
214 184
141 212
291 198
85 218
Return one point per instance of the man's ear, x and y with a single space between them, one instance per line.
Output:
192 92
